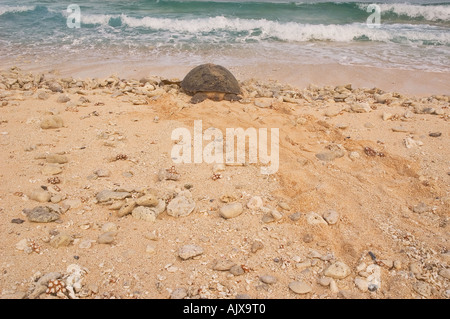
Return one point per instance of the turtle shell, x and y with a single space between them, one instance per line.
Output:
210 78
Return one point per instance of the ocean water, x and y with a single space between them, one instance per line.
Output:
413 35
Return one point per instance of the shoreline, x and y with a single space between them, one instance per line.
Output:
411 82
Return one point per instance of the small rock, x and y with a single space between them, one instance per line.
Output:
180 206
150 249
179 293
331 217
264 103
127 208
40 195
307 238
435 134
421 208
147 200
231 210
445 273
56 158
51 169
164 174
222 264
337 270
85 244
107 238
361 284
144 213
255 203
295 216
330 155
422 288
55 87
63 98
315 219
61 240
284 205
300 287
107 195
237 270
256 245
41 214
52 122
109 227
17 221
362 107
189 251
102 172
268 279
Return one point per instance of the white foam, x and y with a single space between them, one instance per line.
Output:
9 9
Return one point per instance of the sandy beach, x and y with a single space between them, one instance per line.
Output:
93 206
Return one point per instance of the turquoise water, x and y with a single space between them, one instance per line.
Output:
411 35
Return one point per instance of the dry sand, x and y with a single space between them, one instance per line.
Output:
387 179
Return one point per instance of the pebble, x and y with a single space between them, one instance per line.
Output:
127 208
179 293
445 273
337 270
435 134
222 264
41 214
144 213
268 279
109 227
295 216
231 210
331 217
308 238
422 288
421 208
147 200
362 107
56 158
315 219
102 172
107 195
189 251
256 245
163 174
107 238
361 284
330 155
284 205
51 169
63 98
85 244
300 287
52 122
61 240
55 87
255 202
180 206
40 195
264 103
237 270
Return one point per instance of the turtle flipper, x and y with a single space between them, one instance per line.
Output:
231 97
198 97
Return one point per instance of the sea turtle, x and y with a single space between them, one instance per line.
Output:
211 81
